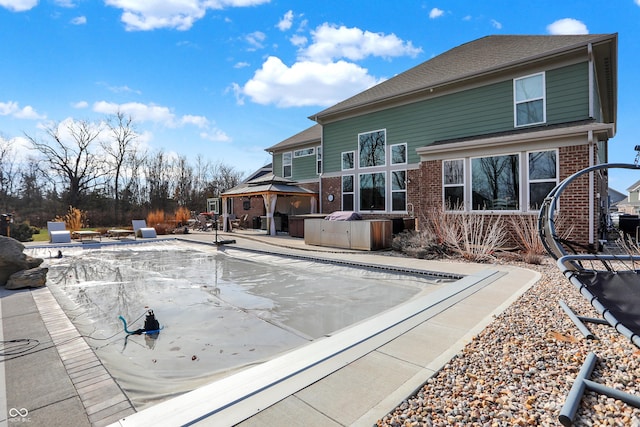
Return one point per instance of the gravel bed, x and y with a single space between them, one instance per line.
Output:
519 370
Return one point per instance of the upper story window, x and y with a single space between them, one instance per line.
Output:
286 164
348 161
399 154
304 152
529 99
319 160
372 149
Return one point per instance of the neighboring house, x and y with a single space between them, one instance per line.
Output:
490 126
631 204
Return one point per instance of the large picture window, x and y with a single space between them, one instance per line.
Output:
399 190
543 176
372 147
372 191
286 164
453 182
347 193
495 182
529 96
319 160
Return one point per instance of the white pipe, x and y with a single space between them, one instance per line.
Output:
591 190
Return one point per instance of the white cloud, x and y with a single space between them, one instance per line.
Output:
80 20
178 14
299 41
241 64
12 109
567 26
199 121
138 111
496 24
215 135
331 42
305 83
65 3
80 105
436 13
637 2
286 22
18 5
255 39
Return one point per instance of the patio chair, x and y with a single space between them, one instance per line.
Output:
58 232
140 229
610 282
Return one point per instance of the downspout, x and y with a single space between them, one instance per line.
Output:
591 147
591 189
320 210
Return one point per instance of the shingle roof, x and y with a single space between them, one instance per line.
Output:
472 59
309 135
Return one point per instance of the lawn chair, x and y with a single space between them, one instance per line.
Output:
58 232
140 229
610 282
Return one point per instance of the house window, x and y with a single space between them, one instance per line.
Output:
453 182
529 97
495 183
347 193
399 190
319 160
304 152
348 162
372 191
286 164
399 154
372 146
543 176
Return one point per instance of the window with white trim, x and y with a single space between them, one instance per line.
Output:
399 154
495 183
453 183
542 170
304 152
372 191
319 160
529 100
348 160
347 192
372 149
399 190
286 164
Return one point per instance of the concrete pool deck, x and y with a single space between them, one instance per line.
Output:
353 377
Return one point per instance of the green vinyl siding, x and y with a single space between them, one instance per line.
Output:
474 112
568 94
302 168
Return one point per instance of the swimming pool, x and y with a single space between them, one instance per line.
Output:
220 312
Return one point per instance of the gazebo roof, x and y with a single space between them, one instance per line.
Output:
268 184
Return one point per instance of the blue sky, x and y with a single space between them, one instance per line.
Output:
225 79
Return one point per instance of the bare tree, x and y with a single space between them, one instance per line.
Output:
8 172
70 156
117 150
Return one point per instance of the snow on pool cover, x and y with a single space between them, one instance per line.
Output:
219 312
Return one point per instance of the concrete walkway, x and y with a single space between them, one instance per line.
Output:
353 377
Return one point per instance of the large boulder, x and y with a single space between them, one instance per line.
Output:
13 259
32 278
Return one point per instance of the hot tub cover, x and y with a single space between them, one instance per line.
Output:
343 216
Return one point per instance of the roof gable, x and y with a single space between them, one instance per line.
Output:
307 136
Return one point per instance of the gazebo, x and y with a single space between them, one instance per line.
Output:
269 186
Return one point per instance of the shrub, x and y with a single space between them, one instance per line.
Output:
155 217
23 232
75 219
182 216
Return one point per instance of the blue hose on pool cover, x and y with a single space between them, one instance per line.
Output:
151 325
